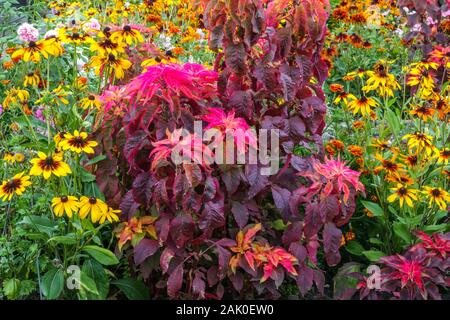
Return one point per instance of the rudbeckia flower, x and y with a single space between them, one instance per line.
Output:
47 165
403 194
16 185
31 79
111 61
77 142
438 196
67 204
128 35
110 215
362 105
92 205
35 49
89 102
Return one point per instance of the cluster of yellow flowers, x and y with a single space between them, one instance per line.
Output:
98 210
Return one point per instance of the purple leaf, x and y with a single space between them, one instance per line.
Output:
175 281
332 239
182 229
144 249
240 214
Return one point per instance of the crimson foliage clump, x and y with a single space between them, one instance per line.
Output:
206 230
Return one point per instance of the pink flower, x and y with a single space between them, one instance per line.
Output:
338 174
437 244
27 32
168 80
408 270
228 124
180 146
93 24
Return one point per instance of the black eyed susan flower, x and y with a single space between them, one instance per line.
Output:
67 204
421 142
31 79
74 36
35 49
106 46
89 102
47 165
389 165
16 185
128 35
9 157
59 137
92 205
110 215
77 142
438 196
381 80
443 155
403 194
362 105
119 65
423 112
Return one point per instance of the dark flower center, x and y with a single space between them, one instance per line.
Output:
75 36
127 28
78 142
64 199
12 186
92 200
91 97
436 193
402 191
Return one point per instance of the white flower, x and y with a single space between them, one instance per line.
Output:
51 33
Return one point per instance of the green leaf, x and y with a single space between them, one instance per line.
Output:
102 255
11 288
42 224
403 232
393 121
436 228
96 159
373 255
96 272
87 285
53 283
376 210
354 247
132 288
279 225
67 239
87 176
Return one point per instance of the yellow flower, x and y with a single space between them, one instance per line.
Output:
362 105
74 36
438 196
380 79
106 46
90 101
443 155
77 142
16 185
35 49
110 61
46 165
31 79
19 157
92 205
421 141
127 35
403 194
15 95
110 215
67 204
9 157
